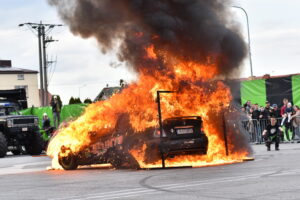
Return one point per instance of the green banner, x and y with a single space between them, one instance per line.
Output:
255 91
296 89
68 112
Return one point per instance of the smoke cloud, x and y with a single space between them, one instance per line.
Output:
200 31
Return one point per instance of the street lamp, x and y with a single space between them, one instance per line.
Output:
249 42
80 88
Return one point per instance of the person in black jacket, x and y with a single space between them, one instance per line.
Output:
275 111
272 133
46 121
56 109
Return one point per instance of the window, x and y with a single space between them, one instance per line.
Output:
22 86
20 76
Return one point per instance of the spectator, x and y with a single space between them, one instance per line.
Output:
287 113
56 109
247 106
286 121
275 111
255 122
263 118
282 109
264 114
250 113
272 134
268 106
256 112
243 110
296 122
46 121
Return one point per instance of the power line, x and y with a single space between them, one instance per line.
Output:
42 31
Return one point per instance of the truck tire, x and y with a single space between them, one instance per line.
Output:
35 145
3 145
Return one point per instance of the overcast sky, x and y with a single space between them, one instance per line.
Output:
274 30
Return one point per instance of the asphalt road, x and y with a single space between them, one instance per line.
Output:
273 175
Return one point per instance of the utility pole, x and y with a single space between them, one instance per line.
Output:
45 67
41 66
42 30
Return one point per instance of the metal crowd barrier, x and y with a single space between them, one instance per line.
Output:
254 129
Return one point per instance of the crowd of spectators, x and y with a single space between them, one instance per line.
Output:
288 116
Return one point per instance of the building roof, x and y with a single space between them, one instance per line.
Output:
15 70
107 92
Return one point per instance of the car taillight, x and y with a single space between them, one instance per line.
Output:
157 133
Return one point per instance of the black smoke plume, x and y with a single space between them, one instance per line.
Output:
201 31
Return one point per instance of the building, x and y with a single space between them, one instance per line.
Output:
14 78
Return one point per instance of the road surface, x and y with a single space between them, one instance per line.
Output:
273 175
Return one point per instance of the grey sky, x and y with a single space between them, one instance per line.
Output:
274 28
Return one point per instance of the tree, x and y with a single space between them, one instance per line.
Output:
87 101
77 101
71 101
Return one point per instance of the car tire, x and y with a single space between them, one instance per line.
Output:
69 162
35 145
3 145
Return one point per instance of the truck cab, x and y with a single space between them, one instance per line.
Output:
18 134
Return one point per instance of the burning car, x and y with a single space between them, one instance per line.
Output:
168 46
180 136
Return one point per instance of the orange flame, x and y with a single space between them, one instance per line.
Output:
198 95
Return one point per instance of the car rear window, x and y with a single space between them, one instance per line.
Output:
182 128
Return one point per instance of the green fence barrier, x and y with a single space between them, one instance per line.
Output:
68 112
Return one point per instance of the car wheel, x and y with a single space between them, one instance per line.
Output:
69 162
3 145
